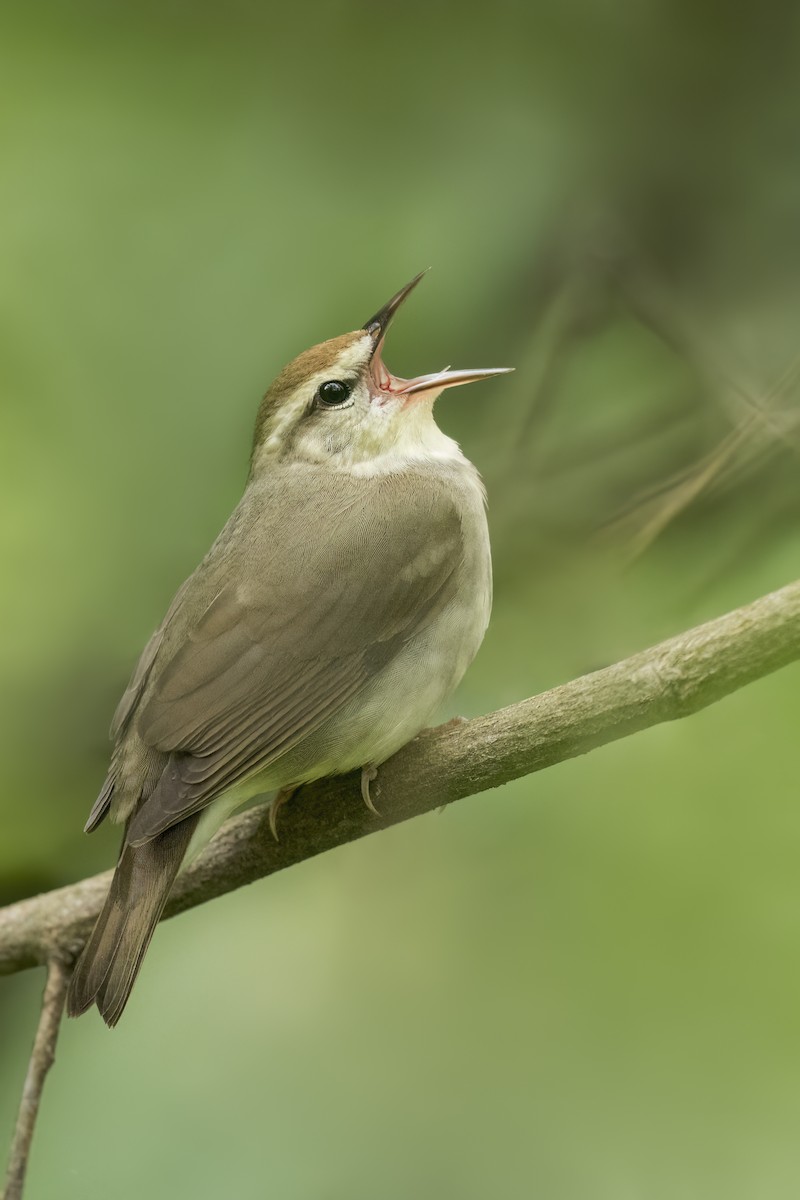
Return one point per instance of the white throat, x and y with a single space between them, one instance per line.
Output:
417 442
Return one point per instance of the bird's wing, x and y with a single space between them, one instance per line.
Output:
126 708
133 692
304 623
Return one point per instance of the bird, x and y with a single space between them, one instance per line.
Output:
338 608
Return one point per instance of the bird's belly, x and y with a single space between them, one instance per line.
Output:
399 702
402 700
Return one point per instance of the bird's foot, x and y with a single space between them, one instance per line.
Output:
368 775
278 801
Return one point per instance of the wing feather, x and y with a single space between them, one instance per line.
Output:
299 627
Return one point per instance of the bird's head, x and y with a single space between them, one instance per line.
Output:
338 404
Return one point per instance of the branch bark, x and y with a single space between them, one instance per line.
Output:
42 1058
668 681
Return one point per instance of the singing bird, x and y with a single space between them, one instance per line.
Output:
339 606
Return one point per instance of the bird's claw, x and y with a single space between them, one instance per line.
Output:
368 775
277 803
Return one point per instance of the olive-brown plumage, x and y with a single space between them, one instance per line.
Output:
340 604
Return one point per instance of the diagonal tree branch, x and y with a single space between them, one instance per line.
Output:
666 682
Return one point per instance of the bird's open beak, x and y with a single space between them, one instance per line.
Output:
423 385
376 326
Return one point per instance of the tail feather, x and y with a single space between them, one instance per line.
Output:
107 968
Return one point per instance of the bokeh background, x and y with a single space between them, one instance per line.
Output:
584 985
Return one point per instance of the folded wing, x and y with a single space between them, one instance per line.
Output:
294 633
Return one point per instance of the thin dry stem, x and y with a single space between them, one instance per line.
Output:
42 1058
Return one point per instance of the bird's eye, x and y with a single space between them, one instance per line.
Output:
334 393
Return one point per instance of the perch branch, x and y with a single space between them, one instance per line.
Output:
668 681
42 1058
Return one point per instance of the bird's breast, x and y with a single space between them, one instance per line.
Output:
407 693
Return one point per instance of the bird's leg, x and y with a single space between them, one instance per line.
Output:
278 801
369 773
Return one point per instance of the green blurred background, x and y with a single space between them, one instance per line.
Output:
580 987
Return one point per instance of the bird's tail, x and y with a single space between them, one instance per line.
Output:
107 968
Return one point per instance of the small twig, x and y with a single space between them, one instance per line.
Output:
42 1057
